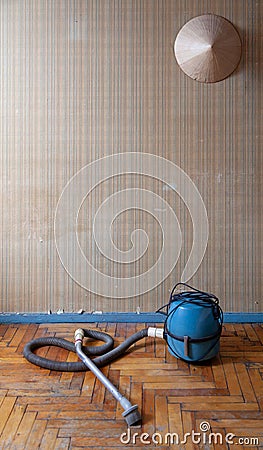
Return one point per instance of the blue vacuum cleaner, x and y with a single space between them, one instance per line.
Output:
193 324
192 330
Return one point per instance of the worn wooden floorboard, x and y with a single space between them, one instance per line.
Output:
214 405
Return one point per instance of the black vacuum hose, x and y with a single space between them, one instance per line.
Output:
105 352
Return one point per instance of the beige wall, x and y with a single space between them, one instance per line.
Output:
85 79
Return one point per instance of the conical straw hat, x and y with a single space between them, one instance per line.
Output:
208 48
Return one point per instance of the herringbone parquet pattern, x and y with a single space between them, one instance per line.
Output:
53 410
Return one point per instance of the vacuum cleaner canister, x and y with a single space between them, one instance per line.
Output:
193 325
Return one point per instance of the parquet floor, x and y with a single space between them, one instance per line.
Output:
54 410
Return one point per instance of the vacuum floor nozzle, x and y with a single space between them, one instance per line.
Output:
132 417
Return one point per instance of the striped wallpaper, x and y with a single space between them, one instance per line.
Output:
82 80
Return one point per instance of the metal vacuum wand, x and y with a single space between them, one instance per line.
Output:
131 413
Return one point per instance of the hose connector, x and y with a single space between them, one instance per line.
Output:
155 332
79 335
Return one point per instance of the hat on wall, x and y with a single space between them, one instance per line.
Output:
208 48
